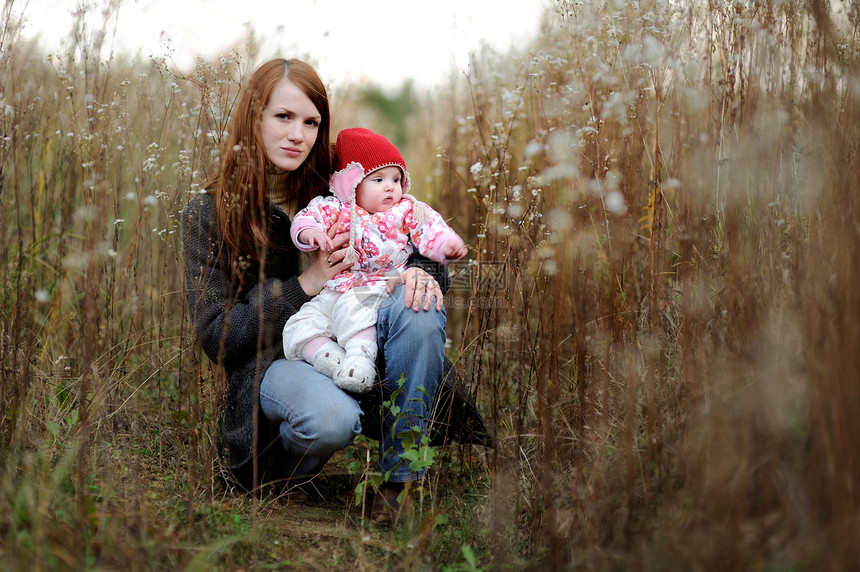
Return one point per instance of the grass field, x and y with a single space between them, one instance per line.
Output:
660 317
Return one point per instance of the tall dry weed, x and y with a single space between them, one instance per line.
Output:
98 381
665 189
659 315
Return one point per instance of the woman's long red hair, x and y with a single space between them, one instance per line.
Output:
240 183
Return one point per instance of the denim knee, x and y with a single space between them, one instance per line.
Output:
315 417
332 430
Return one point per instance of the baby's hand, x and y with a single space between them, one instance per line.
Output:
314 237
454 249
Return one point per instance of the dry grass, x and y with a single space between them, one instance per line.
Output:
660 319
668 195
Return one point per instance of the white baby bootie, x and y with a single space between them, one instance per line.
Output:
328 359
357 370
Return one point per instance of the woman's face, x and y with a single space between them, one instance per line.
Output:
290 125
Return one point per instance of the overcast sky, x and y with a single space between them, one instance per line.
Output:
386 41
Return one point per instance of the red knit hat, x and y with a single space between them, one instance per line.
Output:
359 152
370 150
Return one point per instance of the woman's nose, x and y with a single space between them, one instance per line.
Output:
294 131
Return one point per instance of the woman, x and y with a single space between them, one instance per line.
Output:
282 418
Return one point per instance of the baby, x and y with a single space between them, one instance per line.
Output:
336 331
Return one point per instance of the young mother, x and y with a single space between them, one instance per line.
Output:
281 418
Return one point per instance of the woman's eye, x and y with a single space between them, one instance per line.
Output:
282 116
312 123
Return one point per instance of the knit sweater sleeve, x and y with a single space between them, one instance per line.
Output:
230 323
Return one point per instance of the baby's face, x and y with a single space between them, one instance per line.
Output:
380 190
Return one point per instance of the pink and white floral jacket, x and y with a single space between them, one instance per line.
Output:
385 241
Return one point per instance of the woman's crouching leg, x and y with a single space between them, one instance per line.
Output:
413 344
316 418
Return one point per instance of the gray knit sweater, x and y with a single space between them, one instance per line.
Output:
238 320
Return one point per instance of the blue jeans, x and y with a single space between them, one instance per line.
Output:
317 419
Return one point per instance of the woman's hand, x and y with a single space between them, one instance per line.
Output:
323 266
419 286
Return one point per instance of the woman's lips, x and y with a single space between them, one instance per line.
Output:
292 151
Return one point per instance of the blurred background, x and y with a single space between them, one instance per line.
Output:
658 316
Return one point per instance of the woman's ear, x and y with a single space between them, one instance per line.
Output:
344 182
